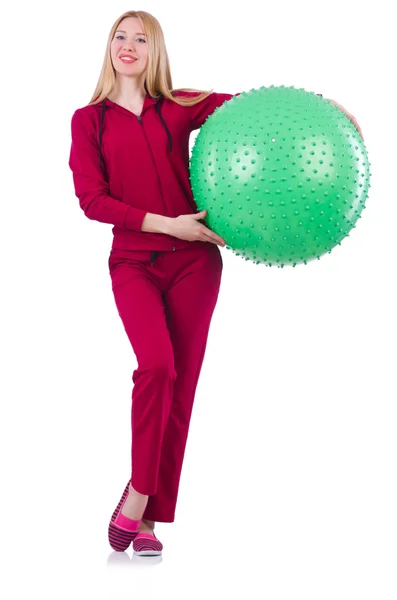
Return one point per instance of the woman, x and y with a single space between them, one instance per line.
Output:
130 163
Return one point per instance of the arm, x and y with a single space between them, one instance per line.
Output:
157 223
201 111
91 187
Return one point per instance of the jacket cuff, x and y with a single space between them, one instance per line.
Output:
134 218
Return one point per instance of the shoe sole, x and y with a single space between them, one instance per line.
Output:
147 545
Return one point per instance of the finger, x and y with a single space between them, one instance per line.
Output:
200 214
216 237
212 239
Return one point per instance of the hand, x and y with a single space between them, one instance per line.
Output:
187 227
352 119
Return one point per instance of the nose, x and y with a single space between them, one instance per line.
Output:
130 47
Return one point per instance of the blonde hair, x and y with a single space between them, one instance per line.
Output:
158 74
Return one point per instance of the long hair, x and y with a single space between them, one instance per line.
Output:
158 74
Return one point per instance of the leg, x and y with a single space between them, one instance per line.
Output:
190 304
141 308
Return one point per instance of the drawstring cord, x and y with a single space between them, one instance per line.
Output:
153 257
154 254
158 110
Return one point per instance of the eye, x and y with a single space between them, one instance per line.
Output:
121 36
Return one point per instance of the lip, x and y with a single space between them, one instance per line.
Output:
127 56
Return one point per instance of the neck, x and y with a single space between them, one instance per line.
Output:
128 90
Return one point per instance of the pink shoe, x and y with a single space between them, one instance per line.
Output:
122 530
146 544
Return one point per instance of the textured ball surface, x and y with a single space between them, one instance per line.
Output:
282 173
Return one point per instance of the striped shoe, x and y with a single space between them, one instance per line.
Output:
146 544
122 530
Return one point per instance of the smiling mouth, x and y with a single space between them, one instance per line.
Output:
127 60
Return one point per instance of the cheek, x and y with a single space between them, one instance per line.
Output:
115 48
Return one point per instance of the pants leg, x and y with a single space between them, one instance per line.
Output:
190 303
141 308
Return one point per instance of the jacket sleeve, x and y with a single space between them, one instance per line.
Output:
90 185
202 110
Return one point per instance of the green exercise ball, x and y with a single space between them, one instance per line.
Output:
282 173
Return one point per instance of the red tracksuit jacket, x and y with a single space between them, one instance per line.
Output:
125 166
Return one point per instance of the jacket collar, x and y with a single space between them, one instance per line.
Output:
149 101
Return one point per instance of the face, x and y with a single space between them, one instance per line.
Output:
129 39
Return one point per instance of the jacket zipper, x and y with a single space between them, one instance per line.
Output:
154 163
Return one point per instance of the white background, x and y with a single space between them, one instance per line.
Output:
288 487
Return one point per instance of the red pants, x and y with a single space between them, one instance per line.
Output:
166 304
